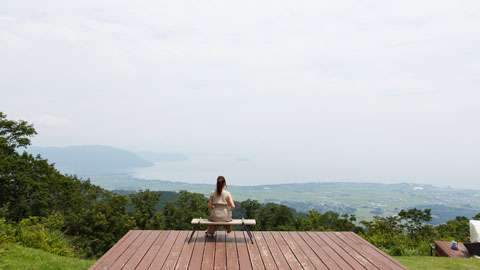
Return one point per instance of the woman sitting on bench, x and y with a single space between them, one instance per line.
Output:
221 204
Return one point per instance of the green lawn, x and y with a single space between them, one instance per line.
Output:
18 258
438 263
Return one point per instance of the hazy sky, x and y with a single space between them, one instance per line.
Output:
384 91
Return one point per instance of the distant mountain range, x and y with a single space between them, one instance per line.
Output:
96 159
100 159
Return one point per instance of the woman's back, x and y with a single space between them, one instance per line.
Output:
220 211
221 204
221 199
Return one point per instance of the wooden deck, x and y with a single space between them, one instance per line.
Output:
271 250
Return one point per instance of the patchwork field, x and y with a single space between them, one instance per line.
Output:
363 199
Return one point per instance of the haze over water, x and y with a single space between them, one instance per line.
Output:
384 91
205 168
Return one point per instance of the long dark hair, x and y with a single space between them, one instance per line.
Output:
220 184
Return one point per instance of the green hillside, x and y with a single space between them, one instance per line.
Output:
18 257
365 200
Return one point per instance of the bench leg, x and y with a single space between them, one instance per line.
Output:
248 232
432 250
194 229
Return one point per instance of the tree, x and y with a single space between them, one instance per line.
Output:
145 209
30 186
455 229
272 216
251 207
14 134
179 213
386 234
328 221
402 234
413 220
17 199
100 223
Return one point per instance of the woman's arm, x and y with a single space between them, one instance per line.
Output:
230 201
210 206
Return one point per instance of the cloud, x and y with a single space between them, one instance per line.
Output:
50 120
366 83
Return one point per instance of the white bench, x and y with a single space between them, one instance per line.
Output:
244 222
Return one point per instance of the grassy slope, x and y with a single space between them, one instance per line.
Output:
17 257
438 263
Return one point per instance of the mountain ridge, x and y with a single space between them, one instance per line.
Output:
90 158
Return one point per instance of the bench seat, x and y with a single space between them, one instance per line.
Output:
243 222
233 222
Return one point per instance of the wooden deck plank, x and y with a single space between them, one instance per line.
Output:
141 251
254 254
324 254
197 254
128 253
208 260
334 240
243 256
287 253
152 252
373 257
297 251
357 239
174 254
316 261
162 254
271 250
339 254
232 257
115 254
275 250
265 253
186 253
111 250
220 251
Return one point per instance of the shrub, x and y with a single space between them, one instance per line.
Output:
7 232
34 232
